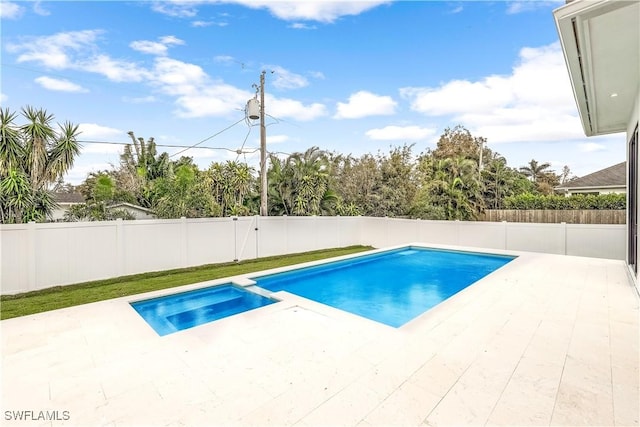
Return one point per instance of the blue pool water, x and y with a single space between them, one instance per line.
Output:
392 287
176 312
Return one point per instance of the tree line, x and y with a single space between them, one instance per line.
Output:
456 180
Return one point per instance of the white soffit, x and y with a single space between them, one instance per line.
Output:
601 44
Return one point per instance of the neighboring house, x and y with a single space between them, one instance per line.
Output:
601 44
64 201
138 212
609 180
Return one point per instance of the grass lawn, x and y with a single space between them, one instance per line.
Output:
82 293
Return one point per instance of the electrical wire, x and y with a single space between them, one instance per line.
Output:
240 150
157 145
206 139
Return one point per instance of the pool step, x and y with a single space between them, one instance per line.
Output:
208 312
192 300
176 312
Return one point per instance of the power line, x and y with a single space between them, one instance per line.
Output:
206 139
196 145
157 145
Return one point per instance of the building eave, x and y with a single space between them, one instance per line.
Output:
595 34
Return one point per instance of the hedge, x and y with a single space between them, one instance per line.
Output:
557 202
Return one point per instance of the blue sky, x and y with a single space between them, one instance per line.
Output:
352 77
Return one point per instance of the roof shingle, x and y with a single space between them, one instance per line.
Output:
615 175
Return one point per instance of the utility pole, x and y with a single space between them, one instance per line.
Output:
263 152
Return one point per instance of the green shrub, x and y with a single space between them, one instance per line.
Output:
558 202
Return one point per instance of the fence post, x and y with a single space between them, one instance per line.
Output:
184 243
120 248
235 238
386 231
32 272
257 230
505 228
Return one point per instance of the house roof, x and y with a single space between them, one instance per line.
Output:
68 197
613 176
601 45
132 206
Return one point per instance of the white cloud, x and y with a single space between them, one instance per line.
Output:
302 26
289 108
321 11
101 148
177 9
460 96
363 104
285 79
156 48
412 133
10 10
533 103
139 100
171 40
146 46
228 60
3 98
177 77
40 10
277 139
59 85
56 51
519 6
115 70
201 24
282 108
590 147
317 75
195 93
76 50
95 131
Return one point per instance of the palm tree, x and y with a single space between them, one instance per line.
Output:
188 193
140 165
498 180
535 170
33 157
232 186
453 185
299 185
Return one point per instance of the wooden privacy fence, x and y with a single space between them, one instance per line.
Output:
548 216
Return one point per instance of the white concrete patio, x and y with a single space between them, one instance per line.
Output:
546 340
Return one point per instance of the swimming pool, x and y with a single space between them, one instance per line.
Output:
391 287
185 310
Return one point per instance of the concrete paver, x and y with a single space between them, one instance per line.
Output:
545 340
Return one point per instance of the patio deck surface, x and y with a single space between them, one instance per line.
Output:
545 340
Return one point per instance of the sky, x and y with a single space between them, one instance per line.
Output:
350 77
